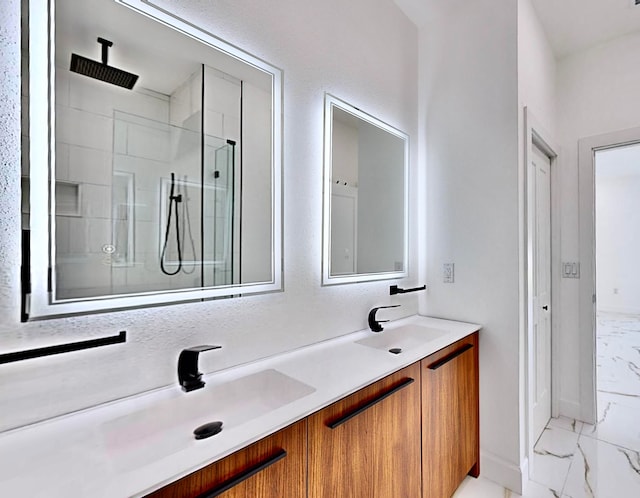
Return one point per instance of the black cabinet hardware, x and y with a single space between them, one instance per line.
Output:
450 357
368 405
243 476
62 348
394 289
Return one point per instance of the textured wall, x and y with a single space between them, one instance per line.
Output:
363 51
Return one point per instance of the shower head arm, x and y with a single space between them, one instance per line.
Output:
105 49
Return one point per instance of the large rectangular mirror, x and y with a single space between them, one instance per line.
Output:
365 233
155 161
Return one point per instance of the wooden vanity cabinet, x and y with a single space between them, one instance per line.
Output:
413 433
450 442
272 467
368 444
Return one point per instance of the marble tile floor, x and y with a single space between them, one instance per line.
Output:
577 460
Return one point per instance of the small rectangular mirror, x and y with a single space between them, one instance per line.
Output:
365 222
155 161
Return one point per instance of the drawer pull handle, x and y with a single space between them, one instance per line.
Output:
450 357
243 476
368 405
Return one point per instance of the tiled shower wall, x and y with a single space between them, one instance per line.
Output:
95 140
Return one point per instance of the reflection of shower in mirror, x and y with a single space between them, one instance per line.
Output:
176 199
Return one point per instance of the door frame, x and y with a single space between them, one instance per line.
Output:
535 134
587 148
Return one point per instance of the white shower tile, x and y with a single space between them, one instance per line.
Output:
78 127
90 95
603 470
213 124
78 235
62 161
62 87
231 129
89 165
63 235
148 143
99 235
96 201
222 95
552 457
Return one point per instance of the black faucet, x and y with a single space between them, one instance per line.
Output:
188 375
374 324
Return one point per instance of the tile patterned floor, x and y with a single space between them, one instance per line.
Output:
576 460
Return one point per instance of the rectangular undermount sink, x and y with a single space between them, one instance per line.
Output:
167 426
405 337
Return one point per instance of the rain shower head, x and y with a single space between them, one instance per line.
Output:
101 70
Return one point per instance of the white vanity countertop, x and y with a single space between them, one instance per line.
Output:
136 445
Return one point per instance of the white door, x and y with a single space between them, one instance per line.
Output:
541 340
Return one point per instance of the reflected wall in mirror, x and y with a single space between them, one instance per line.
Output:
163 166
365 230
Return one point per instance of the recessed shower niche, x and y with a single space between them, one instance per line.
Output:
173 138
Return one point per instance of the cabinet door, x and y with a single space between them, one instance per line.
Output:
368 444
450 448
272 467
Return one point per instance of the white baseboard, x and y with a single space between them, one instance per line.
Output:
569 409
507 474
619 309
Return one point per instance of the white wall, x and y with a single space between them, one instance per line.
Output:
321 46
469 109
597 94
536 92
617 242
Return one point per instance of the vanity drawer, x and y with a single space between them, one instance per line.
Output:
273 466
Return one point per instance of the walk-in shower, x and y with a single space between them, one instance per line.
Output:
185 188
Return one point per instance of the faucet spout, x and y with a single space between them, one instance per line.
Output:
188 375
374 324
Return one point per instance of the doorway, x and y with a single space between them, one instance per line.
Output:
617 237
591 151
541 246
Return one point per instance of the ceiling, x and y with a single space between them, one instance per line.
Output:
570 25
163 57
574 25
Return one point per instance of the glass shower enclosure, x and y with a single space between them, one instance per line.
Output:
166 217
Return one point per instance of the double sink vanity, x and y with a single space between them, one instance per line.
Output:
344 417
388 414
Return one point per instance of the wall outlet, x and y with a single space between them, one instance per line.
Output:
570 270
448 273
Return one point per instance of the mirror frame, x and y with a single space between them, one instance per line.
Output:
37 298
331 102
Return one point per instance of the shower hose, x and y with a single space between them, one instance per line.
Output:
173 200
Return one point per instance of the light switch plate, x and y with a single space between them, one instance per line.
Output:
570 269
448 273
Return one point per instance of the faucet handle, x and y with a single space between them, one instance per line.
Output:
188 375
202 348
374 324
